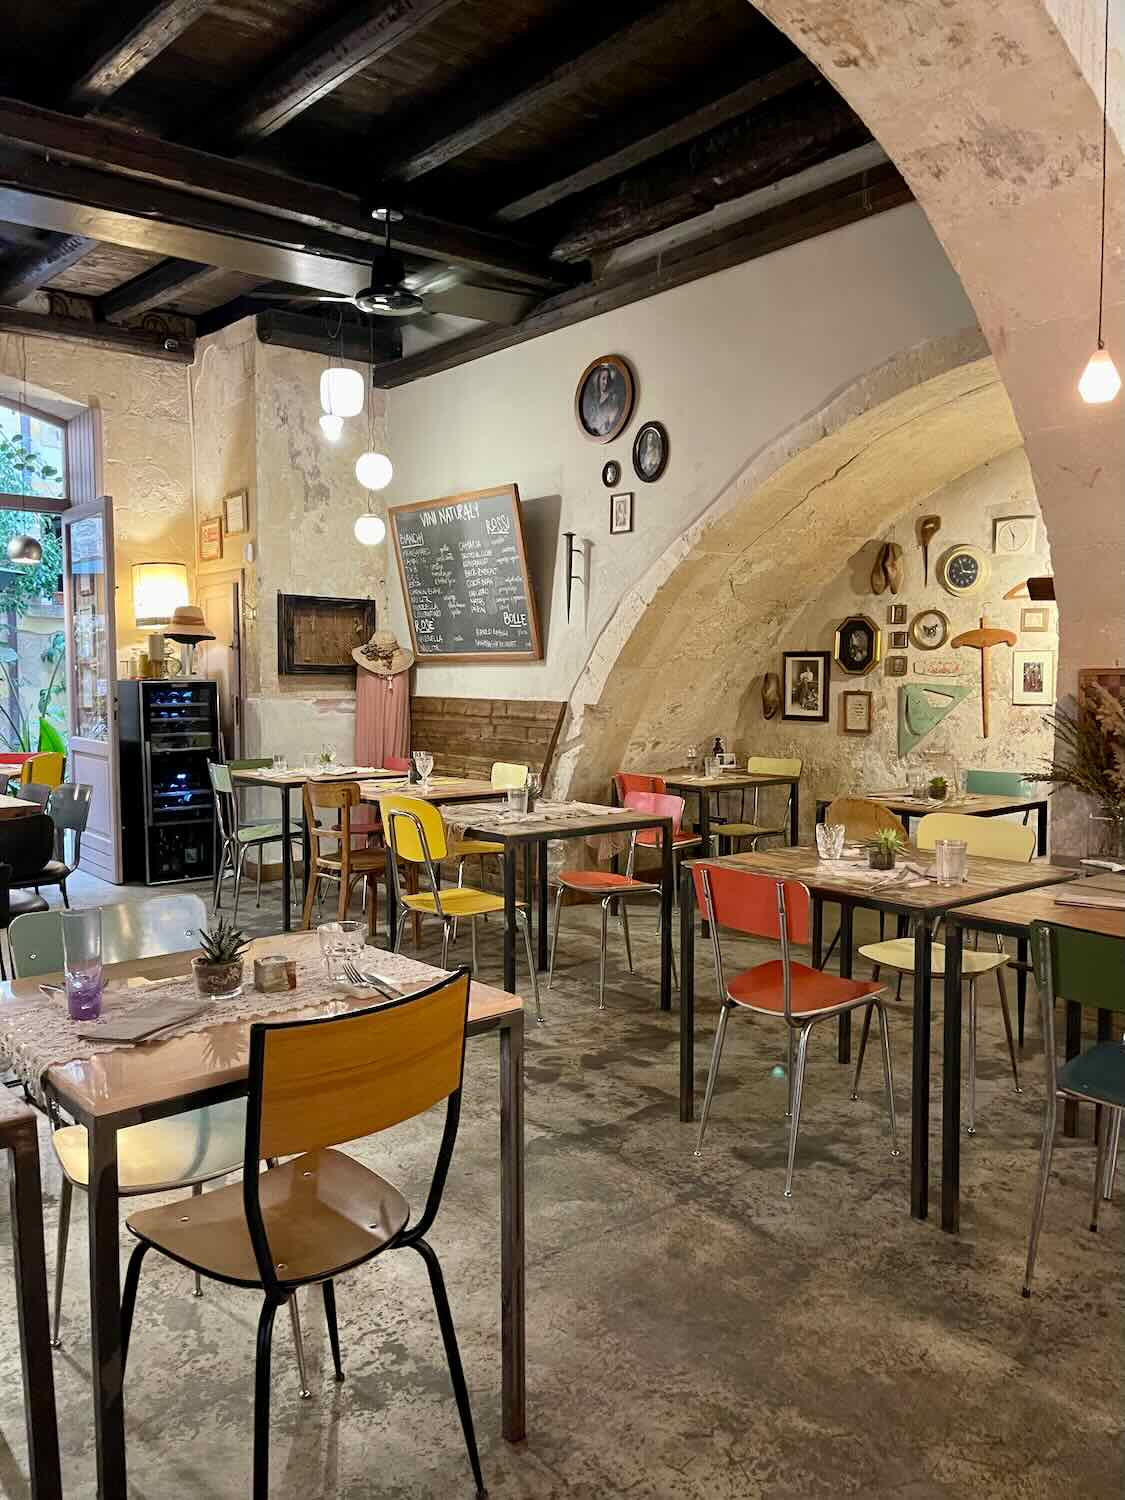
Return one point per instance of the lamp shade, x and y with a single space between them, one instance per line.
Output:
369 529
159 588
25 549
374 470
341 392
1100 381
332 426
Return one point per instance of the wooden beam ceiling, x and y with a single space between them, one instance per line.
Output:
101 335
301 331
132 39
155 288
36 265
841 203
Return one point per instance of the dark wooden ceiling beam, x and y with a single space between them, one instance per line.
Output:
134 37
810 125
101 335
38 264
156 287
592 170
498 101
95 163
294 330
841 203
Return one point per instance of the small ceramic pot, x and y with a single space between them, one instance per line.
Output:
218 981
881 859
937 794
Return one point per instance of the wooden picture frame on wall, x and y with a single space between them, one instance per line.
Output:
855 712
236 513
804 686
211 539
316 636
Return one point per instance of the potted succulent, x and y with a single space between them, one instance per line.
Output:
938 788
882 849
218 972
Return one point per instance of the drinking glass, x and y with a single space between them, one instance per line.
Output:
534 787
951 861
425 764
918 781
82 963
710 765
281 763
340 943
830 840
517 799
692 757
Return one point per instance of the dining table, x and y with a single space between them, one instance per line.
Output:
905 805
1095 905
910 892
16 807
696 784
108 1087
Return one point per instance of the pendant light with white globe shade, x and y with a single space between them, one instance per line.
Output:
1100 382
370 529
374 470
332 426
341 392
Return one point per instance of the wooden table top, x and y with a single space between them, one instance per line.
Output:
725 781
152 1073
608 820
441 789
975 802
1015 913
987 877
17 807
297 776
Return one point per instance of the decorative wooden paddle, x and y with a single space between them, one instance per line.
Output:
983 640
928 528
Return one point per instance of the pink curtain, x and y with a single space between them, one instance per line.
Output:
382 726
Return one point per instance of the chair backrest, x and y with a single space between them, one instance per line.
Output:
26 843
342 796
414 828
990 837
255 763
863 818
758 905
35 791
772 765
998 783
220 777
130 929
396 763
1086 968
506 773
660 805
322 1082
69 806
226 810
632 781
46 767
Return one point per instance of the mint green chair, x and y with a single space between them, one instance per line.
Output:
237 838
1087 969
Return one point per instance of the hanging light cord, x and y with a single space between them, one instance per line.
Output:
1105 141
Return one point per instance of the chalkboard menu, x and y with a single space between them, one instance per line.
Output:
463 566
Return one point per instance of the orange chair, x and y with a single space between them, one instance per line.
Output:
762 907
396 763
625 782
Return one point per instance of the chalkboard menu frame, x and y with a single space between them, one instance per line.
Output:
422 657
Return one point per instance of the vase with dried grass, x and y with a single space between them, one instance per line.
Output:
1090 759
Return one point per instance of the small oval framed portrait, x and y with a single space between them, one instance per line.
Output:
929 629
603 402
858 646
650 451
611 473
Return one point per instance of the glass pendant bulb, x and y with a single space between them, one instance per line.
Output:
332 426
369 529
374 470
25 549
341 392
1100 381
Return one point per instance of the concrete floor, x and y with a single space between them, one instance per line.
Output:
690 1333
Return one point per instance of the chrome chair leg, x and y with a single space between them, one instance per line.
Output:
400 928
623 917
66 1197
888 1074
217 894
525 927
798 1090
1007 1015
862 1049
1111 1156
299 1344
1046 1151
1101 1132
555 936
601 956
197 1286
971 1128
713 1072
789 1073
239 863
473 940
445 926
258 884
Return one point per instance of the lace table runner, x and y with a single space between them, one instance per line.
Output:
495 817
906 875
39 1035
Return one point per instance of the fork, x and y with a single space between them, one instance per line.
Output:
368 981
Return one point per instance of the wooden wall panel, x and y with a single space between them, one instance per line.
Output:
466 735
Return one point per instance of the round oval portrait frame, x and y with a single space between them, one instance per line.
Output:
621 368
916 637
662 432
611 473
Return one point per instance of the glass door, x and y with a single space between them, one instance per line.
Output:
88 589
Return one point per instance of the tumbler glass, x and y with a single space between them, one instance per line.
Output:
340 943
281 763
517 799
951 861
830 840
82 963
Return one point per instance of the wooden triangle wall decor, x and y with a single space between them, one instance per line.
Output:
921 708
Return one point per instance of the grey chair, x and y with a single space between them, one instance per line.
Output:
237 838
35 791
69 810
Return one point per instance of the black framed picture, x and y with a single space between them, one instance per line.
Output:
611 473
603 402
620 514
858 645
804 692
650 451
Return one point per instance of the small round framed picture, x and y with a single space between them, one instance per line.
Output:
611 473
650 451
603 402
929 629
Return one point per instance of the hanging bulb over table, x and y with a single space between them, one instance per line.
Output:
374 470
370 529
332 426
1100 381
341 392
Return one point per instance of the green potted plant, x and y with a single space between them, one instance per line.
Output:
882 849
938 788
218 972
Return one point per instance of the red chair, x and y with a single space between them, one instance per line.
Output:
764 907
625 782
396 763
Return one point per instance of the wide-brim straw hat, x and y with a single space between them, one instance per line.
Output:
383 655
188 625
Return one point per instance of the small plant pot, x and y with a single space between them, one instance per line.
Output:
218 981
881 859
938 794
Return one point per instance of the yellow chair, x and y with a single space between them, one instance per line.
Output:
991 839
504 775
47 769
415 833
731 833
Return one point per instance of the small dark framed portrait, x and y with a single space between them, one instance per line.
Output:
896 614
805 685
899 640
858 645
895 666
611 473
620 514
650 451
603 402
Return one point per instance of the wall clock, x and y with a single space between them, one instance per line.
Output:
963 569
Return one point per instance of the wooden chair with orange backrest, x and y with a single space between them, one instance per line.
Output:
332 854
313 1086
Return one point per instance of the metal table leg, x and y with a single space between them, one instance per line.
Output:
920 1102
795 813
513 1315
105 1309
1021 986
1073 1048
510 917
687 996
951 1080
667 893
286 864
847 927
1041 828
705 842
541 919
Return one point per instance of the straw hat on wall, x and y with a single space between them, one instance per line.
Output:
383 655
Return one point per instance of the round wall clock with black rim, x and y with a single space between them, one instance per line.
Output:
611 473
603 402
963 569
650 451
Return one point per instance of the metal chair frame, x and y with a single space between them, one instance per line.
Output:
232 849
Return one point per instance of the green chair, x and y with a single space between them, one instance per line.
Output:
1087 969
999 784
237 838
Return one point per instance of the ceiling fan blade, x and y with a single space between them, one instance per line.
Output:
303 297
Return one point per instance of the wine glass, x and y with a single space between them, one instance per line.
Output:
425 764
692 756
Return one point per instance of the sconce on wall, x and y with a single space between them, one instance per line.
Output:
158 591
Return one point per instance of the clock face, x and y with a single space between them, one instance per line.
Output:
963 570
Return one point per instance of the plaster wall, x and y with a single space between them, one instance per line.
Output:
835 762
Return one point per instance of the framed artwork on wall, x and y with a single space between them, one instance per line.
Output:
855 712
895 666
896 614
1035 619
211 539
898 640
236 514
929 629
611 473
603 402
858 646
1033 678
805 686
650 452
620 514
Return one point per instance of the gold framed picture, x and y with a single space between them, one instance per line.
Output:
211 539
855 712
236 513
858 645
